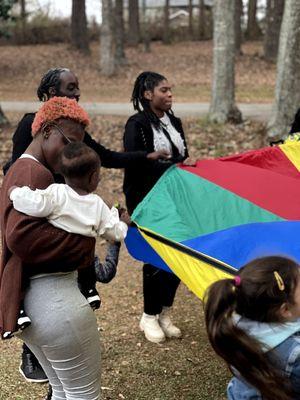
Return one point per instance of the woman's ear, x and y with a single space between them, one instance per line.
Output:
148 95
52 91
46 130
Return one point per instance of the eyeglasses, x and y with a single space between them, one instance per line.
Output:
61 132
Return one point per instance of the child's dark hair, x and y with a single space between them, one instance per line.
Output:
255 294
78 160
146 81
50 79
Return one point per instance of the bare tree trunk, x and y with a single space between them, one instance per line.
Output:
274 14
107 59
145 31
23 18
253 31
79 32
166 38
191 30
238 25
287 93
201 26
120 58
134 23
223 108
3 120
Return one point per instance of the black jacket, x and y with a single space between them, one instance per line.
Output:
295 127
109 159
139 180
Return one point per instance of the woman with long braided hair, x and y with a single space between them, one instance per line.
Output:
154 127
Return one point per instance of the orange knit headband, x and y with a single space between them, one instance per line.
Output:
59 107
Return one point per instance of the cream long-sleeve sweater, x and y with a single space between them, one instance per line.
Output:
86 215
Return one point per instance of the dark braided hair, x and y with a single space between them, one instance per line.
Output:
295 128
50 79
146 81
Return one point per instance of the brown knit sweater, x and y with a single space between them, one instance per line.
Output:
31 245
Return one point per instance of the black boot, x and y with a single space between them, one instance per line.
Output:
30 368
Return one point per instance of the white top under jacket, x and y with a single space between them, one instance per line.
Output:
161 142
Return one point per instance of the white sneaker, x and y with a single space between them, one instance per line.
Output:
151 328
169 329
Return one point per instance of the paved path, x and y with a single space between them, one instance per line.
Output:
261 112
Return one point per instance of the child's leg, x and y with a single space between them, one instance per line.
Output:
87 286
23 319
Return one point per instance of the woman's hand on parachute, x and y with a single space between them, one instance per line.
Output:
190 162
159 155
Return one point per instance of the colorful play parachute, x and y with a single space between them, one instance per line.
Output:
204 222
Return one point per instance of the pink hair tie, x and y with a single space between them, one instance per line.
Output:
237 280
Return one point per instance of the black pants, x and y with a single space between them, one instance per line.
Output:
159 289
86 278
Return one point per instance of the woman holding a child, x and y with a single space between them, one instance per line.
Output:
63 334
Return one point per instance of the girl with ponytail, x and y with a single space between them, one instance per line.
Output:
253 323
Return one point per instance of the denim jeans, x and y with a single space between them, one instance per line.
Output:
288 355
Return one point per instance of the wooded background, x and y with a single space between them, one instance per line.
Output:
229 23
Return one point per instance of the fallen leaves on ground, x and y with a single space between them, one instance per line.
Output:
187 65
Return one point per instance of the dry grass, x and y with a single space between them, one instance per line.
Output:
133 368
188 66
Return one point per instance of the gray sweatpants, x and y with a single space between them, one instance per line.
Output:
63 336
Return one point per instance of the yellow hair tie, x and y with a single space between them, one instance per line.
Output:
279 281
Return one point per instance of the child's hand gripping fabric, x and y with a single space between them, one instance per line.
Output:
123 214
